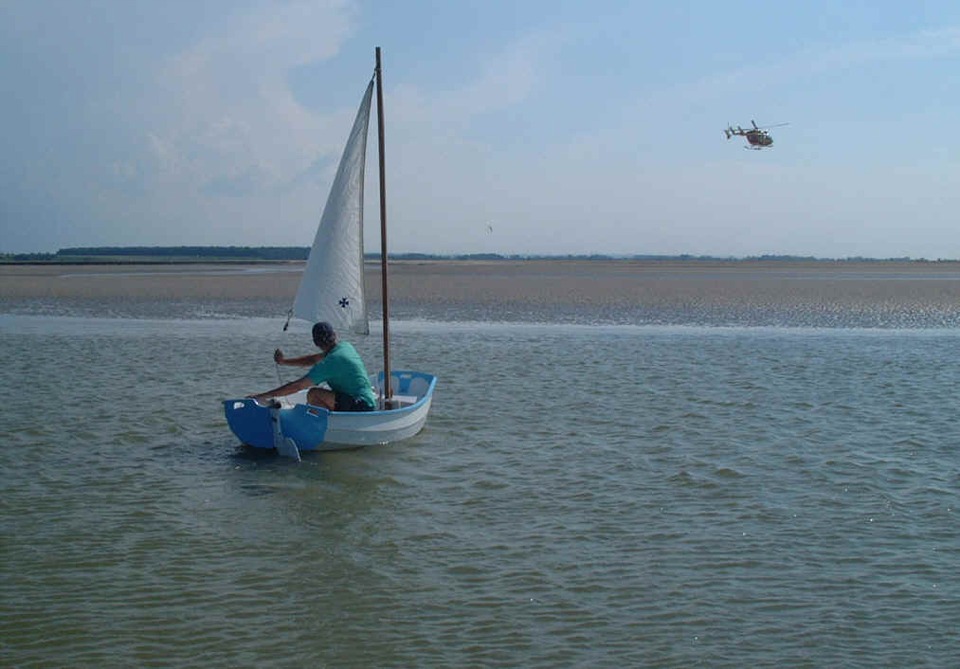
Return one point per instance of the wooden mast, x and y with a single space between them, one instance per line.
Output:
388 402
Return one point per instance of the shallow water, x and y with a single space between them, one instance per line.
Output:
585 493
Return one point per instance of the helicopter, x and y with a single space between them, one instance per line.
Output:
757 137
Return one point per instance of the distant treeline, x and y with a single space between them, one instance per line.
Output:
101 254
219 252
117 254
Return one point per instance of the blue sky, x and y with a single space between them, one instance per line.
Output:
566 127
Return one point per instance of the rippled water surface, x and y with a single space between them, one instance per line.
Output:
582 496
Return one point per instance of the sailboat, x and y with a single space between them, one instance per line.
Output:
332 289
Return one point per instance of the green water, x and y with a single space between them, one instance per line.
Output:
582 496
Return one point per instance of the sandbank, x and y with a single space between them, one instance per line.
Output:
550 281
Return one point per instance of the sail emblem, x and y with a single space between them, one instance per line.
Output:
344 302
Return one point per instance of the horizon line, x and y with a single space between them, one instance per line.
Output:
297 253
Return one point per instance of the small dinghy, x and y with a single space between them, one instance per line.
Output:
332 290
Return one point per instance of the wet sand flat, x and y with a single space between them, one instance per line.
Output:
545 282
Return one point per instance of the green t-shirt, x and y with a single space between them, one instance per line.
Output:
342 369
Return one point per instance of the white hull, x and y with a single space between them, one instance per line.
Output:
375 427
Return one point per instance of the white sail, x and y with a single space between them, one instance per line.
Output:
331 288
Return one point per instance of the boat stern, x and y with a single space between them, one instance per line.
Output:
252 423
249 421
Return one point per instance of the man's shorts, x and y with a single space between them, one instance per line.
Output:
346 402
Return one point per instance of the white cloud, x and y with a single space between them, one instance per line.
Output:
224 106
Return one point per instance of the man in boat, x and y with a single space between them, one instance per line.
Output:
338 365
